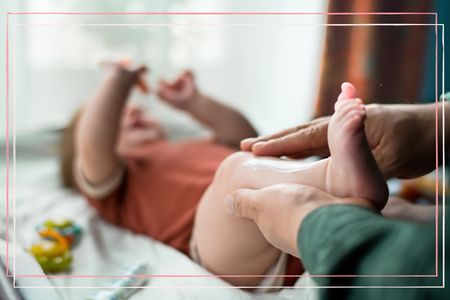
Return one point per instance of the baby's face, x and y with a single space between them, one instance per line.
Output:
138 128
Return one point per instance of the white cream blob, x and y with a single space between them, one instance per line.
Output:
280 165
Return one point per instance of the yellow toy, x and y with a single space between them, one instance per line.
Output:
64 227
52 253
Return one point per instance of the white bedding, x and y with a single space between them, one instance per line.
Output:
104 249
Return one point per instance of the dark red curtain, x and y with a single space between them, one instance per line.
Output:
386 63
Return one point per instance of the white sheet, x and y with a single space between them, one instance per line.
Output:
106 249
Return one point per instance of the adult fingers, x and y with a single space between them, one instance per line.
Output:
312 139
247 144
320 151
244 203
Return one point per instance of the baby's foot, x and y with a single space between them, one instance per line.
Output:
352 170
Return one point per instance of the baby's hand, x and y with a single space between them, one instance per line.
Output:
124 69
180 93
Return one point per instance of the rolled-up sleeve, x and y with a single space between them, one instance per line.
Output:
98 191
350 240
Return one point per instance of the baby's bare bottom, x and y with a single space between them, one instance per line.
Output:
229 245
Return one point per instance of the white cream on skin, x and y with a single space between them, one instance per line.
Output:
280 165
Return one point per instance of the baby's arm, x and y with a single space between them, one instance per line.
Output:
229 125
98 128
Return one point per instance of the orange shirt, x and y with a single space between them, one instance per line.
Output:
162 186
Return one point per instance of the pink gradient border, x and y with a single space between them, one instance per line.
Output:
215 13
7 146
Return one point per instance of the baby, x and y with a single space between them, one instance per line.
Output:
118 157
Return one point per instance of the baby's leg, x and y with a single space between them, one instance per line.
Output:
228 245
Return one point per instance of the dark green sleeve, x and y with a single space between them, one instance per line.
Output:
347 239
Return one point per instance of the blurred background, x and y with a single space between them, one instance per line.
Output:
279 70
268 71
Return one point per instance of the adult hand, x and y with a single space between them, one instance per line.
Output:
393 132
279 210
296 142
300 141
180 93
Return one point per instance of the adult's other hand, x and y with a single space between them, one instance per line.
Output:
279 210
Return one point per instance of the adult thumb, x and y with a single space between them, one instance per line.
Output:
243 203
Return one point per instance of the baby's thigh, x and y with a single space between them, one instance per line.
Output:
229 245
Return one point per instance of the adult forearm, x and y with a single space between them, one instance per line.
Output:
99 126
348 240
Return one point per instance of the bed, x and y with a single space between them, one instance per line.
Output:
104 249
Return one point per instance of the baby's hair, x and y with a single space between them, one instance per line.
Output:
67 151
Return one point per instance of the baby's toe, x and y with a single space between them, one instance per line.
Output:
352 122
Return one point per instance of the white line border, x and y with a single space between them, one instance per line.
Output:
245 24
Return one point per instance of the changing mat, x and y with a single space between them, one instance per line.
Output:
104 249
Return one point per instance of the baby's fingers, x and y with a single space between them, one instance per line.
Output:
140 81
